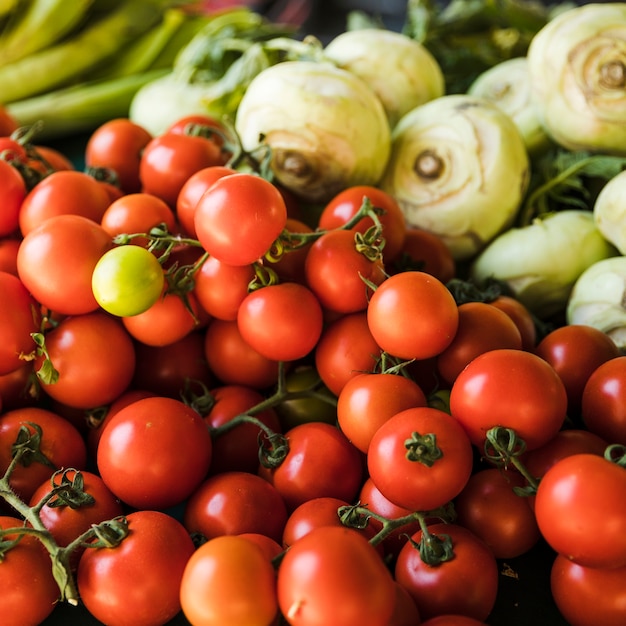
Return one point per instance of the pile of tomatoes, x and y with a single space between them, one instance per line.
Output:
220 403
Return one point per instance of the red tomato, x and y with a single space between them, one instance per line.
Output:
522 317
345 349
346 204
168 160
333 575
482 327
320 462
119 588
8 255
237 448
336 270
575 351
239 217
191 192
95 359
233 360
367 401
452 620
581 510
12 196
50 159
466 584
603 402
8 123
66 192
426 252
229 580
17 389
118 145
56 261
283 322
30 592
61 443
234 502
420 458
405 612
290 265
424 313
490 508
138 460
137 213
588 596
18 320
220 288
510 388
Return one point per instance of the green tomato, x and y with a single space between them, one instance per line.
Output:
127 280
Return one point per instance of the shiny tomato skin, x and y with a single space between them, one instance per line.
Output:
521 390
333 575
466 584
283 322
523 318
229 580
95 358
233 502
603 402
575 351
424 312
320 462
588 596
14 192
116 585
367 401
18 321
8 254
490 508
139 457
239 217
580 507
413 484
61 443
29 591
56 261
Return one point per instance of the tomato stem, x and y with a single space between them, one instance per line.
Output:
422 448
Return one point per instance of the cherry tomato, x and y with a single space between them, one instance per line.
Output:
60 442
490 508
56 261
603 402
367 401
581 510
510 388
169 159
405 612
235 502
17 389
345 349
13 194
94 357
29 592
66 192
336 270
346 204
290 266
320 462
283 322
420 458
239 217
575 351
18 320
424 312
138 460
118 145
522 317
116 585
50 159
333 575
229 580
466 584
8 123
8 254
587 596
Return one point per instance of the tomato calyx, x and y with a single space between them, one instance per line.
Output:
69 492
422 448
616 453
27 447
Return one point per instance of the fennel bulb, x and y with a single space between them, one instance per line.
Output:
326 129
577 66
507 84
458 168
400 70
609 211
542 261
598 299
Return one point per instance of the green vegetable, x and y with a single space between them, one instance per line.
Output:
609 211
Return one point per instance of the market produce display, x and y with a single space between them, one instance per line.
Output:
296 334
